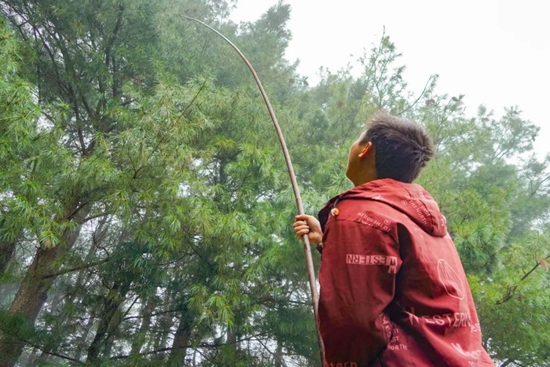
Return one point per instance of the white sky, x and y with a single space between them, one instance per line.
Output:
496 52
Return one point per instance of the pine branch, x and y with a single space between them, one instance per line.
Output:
507 362
152 314
76 268
57 355
511 290
419 97
202 345
277 357
192 101
534 267
31 344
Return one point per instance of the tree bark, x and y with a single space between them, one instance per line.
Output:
113 301
33 291
279 355
139 339
181 340
6 254
163 326
98 236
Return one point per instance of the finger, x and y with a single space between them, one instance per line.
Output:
302 230
303 217
298 223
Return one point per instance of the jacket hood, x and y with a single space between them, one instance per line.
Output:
410 199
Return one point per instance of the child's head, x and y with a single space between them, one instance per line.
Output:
391 147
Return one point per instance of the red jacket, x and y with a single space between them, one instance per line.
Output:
393 289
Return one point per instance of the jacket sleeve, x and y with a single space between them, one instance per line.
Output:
357 277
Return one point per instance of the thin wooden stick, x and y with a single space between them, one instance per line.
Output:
305 239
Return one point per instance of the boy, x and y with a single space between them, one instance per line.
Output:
393 290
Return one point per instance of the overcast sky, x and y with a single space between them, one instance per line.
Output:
496 52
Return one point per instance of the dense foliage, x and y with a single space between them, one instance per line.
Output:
144 206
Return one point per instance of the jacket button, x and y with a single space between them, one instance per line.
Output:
334 212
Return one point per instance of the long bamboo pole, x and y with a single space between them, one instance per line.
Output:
299 205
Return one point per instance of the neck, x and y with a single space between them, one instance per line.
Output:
367 176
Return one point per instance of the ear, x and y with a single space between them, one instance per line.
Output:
365 150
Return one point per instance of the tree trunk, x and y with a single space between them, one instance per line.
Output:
53 342
181 340
279 355
99 235
7 292
33 291
163 324
7 248
80 343
6 253
139 338
114 299
231 340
